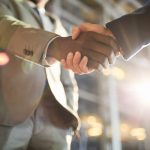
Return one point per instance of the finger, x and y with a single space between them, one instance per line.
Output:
97 57
63 62
112 58
95 28
92 27
83 65
76 61
107 40
100 68
92 65
75 32
103 49
69 60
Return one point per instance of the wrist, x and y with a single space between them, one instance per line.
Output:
60 47
53 48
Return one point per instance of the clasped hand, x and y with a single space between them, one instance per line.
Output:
90 47
105 46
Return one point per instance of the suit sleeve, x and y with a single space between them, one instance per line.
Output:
21 39
132 31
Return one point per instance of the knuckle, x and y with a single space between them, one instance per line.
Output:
112 43
110 52
100 67
75 62
105 59
93 65
96 66
102 59
75 65
79 72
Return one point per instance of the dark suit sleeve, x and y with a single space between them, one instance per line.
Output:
132 31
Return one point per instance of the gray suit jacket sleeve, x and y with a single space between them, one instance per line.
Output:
132 31
21 39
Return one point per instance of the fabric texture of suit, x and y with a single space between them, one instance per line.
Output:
23 79
132 31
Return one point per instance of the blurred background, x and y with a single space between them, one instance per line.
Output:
114 105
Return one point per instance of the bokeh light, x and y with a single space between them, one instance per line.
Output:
116 72
140 90
138 133
4 58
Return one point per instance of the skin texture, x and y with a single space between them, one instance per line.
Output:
78 64
97 47
86 51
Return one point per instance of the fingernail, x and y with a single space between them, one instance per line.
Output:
70 54
75 33
77 53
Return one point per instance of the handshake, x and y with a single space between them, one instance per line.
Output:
91 47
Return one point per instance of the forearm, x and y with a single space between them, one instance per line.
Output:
132 31
61 46
22 40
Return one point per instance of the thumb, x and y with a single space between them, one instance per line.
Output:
75 32
95 28
92 27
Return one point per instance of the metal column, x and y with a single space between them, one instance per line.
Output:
114 114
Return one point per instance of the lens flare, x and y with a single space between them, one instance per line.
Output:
4 58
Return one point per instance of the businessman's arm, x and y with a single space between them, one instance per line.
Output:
28 43
132 31
77 63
